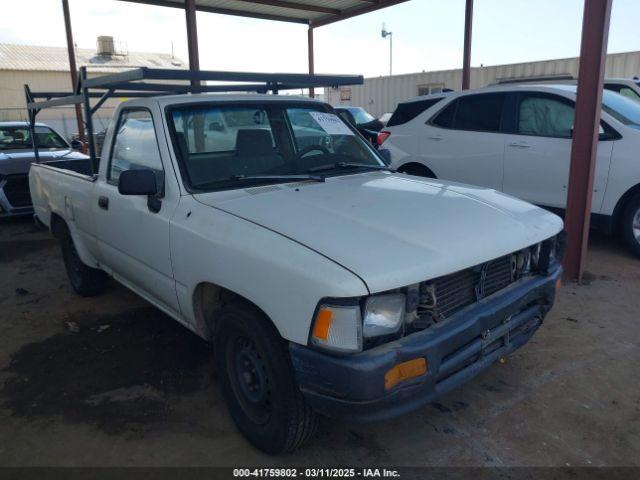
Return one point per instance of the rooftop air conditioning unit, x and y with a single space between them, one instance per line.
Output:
106 45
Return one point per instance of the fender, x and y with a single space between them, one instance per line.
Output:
69 228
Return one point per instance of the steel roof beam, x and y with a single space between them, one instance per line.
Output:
295 6
332 14
354 12
221 11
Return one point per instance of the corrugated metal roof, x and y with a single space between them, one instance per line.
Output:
313 12
55 59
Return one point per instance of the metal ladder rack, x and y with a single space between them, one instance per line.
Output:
131 84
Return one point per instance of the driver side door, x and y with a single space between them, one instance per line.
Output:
133 234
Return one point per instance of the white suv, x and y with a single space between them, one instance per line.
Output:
517 139
629 87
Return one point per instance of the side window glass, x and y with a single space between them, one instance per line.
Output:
135 146
405 112
629 93
444 119
613 87
544 116
480 113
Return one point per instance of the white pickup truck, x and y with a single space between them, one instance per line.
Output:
327 282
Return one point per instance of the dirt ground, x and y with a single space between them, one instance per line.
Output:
111 381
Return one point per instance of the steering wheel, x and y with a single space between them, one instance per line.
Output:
312 148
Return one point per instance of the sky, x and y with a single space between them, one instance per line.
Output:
427 34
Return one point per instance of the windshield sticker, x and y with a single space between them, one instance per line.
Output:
331 123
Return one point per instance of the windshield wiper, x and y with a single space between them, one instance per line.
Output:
225 182
341 165
278 178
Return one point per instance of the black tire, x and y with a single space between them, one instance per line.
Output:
417 170
631 217
257 381
86 281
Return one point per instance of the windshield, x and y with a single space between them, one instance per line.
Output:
621 108
361 116
223 146
19 138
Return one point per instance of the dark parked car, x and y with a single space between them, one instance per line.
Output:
367 124
16 157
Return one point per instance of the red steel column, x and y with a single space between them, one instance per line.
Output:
466 59
73 68
593 51
312 92
192 36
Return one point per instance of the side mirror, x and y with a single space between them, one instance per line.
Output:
76 144
138 182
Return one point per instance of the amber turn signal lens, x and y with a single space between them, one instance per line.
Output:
404 371
323 324
558 284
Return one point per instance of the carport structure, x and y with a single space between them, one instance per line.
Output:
313 13
317 13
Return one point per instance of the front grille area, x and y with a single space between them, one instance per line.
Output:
16 189
445 296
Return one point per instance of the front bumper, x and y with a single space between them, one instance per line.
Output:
20 205
352 387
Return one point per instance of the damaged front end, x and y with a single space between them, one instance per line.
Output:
455 327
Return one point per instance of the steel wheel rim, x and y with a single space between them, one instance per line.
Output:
249 379
635 225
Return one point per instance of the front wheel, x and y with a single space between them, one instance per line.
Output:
631 224
86 281
258 383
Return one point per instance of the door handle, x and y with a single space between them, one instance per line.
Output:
103 203
520 145
435 137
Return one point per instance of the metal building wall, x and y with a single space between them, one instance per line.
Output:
382 94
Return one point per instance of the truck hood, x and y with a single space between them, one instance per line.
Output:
19 161
393 230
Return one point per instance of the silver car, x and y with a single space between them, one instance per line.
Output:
16 156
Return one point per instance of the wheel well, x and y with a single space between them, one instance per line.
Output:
209 299
418 169
619 208
58 226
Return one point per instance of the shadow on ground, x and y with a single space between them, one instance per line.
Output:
118 372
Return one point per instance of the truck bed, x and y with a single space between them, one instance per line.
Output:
63 187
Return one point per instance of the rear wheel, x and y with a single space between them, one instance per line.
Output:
86 281
258 383
631 224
